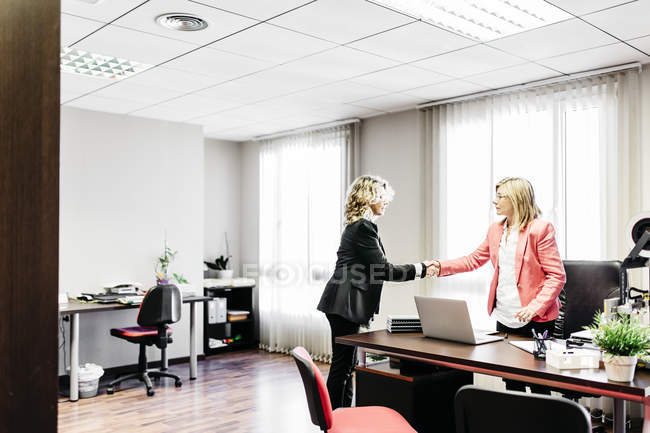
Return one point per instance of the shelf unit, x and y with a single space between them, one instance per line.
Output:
237 298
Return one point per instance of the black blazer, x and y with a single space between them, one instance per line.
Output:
354 290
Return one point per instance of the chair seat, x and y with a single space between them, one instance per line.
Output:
366 419
137 331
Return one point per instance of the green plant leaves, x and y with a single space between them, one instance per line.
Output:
620 335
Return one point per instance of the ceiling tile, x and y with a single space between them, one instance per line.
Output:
469 61
172 79
109 105
259 9
400 78
554 40
291 105
271 43
295 121
81 84
220 23
390 102
133 45
341 21
338 93
514 75
255 112
74 28
641 43
137 92
237 135
345 111
581 7
398 44
104 11
221 121
625 22
615 54
448 89
193 106
262 85
162 113
338 64
217 64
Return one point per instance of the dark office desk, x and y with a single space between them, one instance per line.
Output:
505 360
74 309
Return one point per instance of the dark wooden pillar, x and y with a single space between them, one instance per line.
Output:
29 214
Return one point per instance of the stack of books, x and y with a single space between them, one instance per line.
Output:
235 315
403 324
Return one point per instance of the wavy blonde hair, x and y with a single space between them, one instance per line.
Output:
522 196
363 192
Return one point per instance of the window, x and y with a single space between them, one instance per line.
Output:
556 140
301 199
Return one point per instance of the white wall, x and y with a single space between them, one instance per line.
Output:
124 182
223 196
250 212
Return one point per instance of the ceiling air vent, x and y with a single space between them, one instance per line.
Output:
182 22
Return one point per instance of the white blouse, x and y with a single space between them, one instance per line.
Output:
508 302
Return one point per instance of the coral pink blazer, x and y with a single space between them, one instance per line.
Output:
538 267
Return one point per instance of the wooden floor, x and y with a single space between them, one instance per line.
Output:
239 392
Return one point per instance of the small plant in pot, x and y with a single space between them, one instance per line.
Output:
162 268
220 267
622 338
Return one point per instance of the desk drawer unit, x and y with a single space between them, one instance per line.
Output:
424 398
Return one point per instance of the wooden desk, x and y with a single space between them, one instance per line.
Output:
74 309
505 360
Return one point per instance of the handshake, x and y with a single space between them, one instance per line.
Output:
433 268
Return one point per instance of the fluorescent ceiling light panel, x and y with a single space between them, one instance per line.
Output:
481 20
95 65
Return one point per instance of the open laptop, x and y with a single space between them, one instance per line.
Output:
448 319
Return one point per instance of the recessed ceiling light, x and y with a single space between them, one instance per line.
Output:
96 65
182 22
481 20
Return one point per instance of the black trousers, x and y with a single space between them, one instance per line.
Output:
526 331
339 381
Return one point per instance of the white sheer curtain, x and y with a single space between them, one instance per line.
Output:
577 142
302 185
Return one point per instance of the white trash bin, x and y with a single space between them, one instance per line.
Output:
89 375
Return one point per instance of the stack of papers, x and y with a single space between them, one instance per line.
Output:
228 282
403 324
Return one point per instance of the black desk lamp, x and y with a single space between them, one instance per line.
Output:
640 233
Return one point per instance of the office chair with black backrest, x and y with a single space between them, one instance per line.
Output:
480 410
588 283
161 305
371 419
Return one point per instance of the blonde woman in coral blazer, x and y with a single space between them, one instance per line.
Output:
528 270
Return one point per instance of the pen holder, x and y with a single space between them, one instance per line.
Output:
539 350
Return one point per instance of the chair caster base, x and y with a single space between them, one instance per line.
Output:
178 384
110 390
150 392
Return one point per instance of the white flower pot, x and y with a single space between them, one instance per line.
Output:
225 273
619 368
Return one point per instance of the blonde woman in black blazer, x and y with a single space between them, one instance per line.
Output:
351 296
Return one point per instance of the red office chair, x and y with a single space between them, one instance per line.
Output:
160 306
375 419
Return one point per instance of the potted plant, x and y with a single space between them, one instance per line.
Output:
220 266
162 267
622 338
